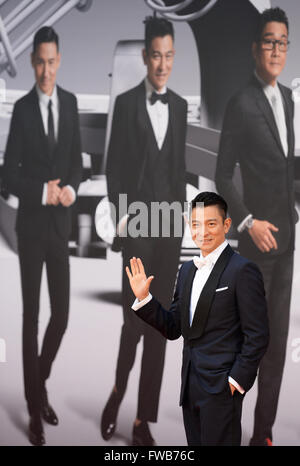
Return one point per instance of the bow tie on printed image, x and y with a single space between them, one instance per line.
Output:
162 97
202 261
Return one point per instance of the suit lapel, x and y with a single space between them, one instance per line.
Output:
185 300
207 295
267 111
142 133
288 110
176 134
62 124
141 110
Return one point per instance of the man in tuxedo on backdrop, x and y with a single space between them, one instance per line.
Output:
43 169
219 308
258 133
146 162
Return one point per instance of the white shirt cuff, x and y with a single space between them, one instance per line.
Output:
139 304
45 194
73 192
236 385
242 225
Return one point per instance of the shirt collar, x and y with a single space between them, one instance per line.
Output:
214 255
44 98
268 89
150 88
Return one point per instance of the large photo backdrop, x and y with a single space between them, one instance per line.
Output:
101 46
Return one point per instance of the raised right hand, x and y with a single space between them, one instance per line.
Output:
262 236
138 280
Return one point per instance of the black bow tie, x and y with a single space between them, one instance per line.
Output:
162 97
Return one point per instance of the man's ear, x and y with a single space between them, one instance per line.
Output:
227 224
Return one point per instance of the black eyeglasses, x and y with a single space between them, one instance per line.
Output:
270 44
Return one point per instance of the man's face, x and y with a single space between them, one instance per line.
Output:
159 61
208 229
270 63
45 62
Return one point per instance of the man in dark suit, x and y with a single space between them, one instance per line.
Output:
219 308
258 134
43 169
146 162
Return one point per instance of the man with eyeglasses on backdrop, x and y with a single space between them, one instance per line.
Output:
258 134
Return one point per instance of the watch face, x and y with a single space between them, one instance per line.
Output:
250 223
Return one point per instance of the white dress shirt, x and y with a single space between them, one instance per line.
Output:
200 279
158 114
43 104
274 97
202 275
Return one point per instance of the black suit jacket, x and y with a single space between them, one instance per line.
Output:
229 332
129 146
28 166
250 137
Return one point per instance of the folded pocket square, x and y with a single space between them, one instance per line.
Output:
222 289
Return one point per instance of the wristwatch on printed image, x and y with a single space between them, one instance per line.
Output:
249 222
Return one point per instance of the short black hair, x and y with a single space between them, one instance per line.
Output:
268 16
156 27
210 198
45 34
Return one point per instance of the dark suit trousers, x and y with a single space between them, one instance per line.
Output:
277 272
33 253
160 257
211 419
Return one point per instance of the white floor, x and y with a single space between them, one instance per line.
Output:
83 374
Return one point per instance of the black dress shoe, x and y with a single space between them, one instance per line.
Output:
109 416
36 432
141 435
48 413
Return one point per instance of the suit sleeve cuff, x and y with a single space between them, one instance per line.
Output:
139 304
242 225
236 385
